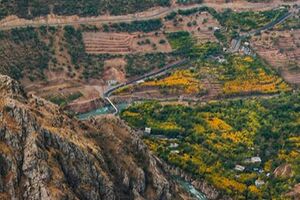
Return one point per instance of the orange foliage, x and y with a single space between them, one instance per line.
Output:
180 79
218 124
225 183
251 82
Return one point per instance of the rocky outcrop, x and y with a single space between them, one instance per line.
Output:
85 106
45 154
201 185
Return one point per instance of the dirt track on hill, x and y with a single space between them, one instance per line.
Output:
11 22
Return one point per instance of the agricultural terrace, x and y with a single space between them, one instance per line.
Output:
213 78
201 25
247 21
214 138
125 43
281 50
207 19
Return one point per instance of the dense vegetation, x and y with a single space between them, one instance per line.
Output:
234 22
186 2
34 8
64 100
214 138
135 26
140 64
22 51
246 21
234 76
92 65
185 45
291 23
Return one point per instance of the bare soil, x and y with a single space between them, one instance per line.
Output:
281 49
201 26
155 12
124 43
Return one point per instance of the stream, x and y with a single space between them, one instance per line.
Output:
108 110
101 111
190 189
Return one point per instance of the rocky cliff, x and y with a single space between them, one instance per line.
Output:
45 154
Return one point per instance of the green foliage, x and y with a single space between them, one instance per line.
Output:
93 65
220 36
291 23
217 136
23 51
34 8
171 16
185 45
64 100
135 26
186 2
140 64
246 21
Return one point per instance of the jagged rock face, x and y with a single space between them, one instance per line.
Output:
45 154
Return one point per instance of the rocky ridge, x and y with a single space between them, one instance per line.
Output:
45 154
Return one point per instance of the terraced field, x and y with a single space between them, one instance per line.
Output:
114 43
125 43
281 50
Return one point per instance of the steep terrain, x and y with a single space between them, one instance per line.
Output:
45 154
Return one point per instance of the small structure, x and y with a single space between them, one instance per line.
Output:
239 168
216 28
112 82
140 81
173 145
174 152
148 130
259 183
255 159
246 50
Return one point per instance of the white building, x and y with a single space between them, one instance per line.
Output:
239 168
148 130
259 183
255 160
173 145
112 82
140 81
174 152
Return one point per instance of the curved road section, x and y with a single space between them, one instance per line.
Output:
153 74
236 43
53 20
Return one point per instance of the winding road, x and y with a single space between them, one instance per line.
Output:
236 43
153 74
235 47
55 20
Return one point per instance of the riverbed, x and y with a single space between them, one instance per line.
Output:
191 189
109 110
102 111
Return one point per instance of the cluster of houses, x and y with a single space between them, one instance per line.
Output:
252 160
240 168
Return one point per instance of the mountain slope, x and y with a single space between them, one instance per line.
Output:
45 154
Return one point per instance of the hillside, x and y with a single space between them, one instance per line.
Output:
247 148
45 154
31 9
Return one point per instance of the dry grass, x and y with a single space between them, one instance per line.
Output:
124 43
281 50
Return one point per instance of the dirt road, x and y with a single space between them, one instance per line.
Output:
11 22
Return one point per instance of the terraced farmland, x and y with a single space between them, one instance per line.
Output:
114 43
125 43
281 50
